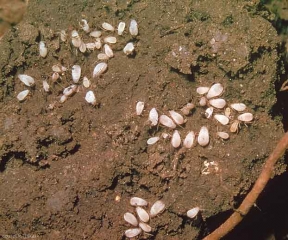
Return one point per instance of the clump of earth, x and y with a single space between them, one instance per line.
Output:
68 170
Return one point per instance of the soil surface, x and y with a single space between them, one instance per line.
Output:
68 170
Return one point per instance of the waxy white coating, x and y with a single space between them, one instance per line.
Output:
166 121
239 107
22 95
223 135
203 136
145 227
153 117
76 73
130 218
139 108
76 40
215 91
245 117
129 48
133 232
218 103
178 118
202 90
108 51
121 28
189 140
152 140
90 97
108 27
157 208
27 80
221 119
136 201
142 214
192 213
176 139
99 69
42 49
133 28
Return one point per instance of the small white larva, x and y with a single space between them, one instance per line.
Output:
68 91
82 47
145 227
139 108
84 25
223 135
46 86
166 121
136 201
110 40
203 136
152 140
133 28
186 110
239 107
99 69
22 95
218 103
203 101
95 34
130 218
245 117
215 91
90 97
157 208
108 51
76 73
121 28
63 35
108 27
27 80
76 40
178 118
102 56
176 139
63 98
133 232
202 90
142 214
129 48
209 112
43 50
221 119
86 82
192 213
189 140
153 117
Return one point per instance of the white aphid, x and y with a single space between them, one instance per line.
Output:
90 97
145 227
165 135
108 27
82 47
192 213
203 101
221 119
99 69
209 112
176 139
130 218
70 90
22 95
152 140
90 46
189 140
76 40
239 107
215 91
98 43
129 48
84 25
102 56
121 28
166 121
27 80
63 35
223 135
139 108
46 86
43 50
218 103
86 82
55 76
203 136
245 117
110 40
178 118
95 34
142 214
108 51
153 117
58 68
63 98
133 232
202 90
76 73
136 201
186 110
157 207
133 28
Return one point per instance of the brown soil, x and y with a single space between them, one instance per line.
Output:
62 167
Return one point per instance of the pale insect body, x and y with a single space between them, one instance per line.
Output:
76 73
235 126
129 48
166 121
202 90
145 227
130 218
76 40
152 140
189 140
108 27
178 119
142 214
70 90
90 97
239 107
223 135
46 86
192 213
95 34
157 208
176 139
245 117
22 95
86 82
63 35
203 136
108 51
209 112
139 108
203 101
90 46
186 110
133 232
102 56
43 50
84 25
99 69
218 103
153 117
121 28
82 47
133 28
221 119
136 201
26 79
110 40
215 91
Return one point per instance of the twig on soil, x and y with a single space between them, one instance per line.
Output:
252 196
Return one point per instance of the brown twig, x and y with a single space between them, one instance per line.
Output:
250 199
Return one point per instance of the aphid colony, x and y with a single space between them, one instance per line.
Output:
140 223
209 98
78 43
